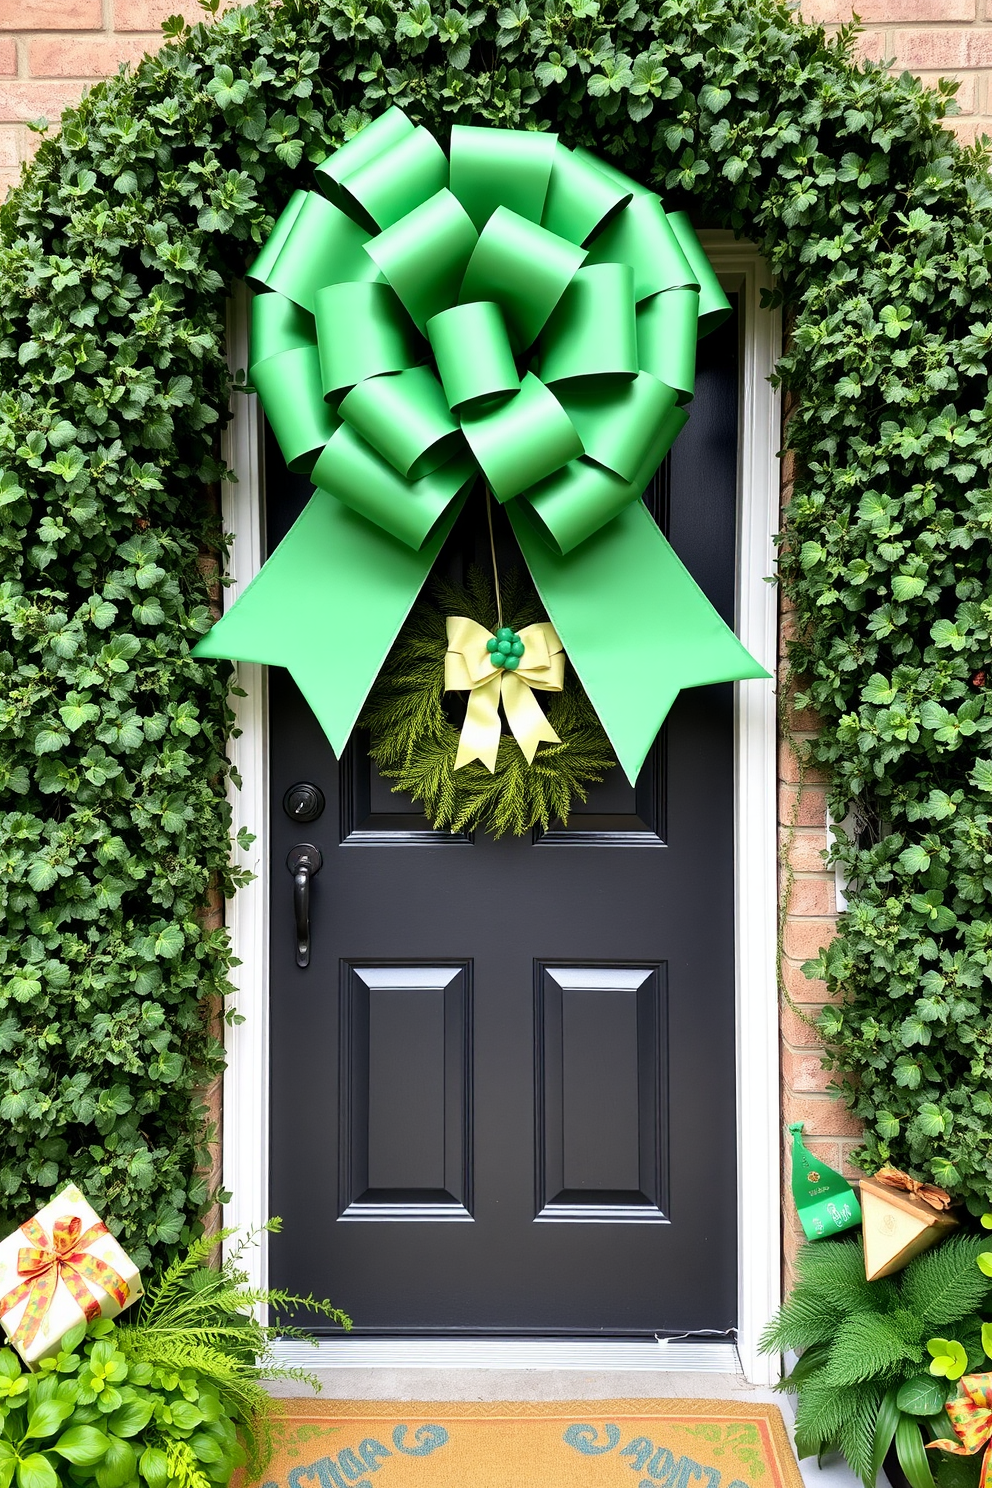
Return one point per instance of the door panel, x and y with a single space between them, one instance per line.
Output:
503 1090
601 1078
405 1093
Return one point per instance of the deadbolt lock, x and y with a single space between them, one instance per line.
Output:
303 802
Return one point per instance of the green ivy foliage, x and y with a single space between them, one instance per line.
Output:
116 254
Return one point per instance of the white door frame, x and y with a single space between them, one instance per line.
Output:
246 1083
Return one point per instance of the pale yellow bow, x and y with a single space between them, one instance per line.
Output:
468 668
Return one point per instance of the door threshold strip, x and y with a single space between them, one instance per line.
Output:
683 1356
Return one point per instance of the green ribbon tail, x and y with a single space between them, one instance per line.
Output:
634 623
328 605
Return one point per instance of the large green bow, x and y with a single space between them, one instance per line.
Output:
518 308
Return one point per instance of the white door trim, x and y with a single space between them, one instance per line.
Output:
246 1083
245 1120
756 808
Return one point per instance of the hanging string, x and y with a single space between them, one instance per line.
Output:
492 549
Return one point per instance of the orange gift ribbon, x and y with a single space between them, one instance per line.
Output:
970 1412
937 1198
63 1257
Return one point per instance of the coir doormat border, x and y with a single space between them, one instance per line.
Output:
418 1431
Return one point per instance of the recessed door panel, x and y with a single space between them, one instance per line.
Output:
603 1123
405 1093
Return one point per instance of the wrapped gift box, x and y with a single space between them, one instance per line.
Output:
899 1222
60 1268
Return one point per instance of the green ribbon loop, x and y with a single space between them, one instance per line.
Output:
581 201
592 332
278 325
362 331
377 139
409 510
405 416
664 342
644 237
489 375
289 386
523 441
381 185
424 256
619 427
322 246
494 168
521 309
524 268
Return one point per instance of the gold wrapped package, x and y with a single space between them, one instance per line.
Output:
58 1269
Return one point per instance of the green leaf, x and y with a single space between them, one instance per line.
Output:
169 941
921 1396
153 1466
186 1417
885 1428
206 1448
47 1417
70 1341
83 1446
950 1359
132 1417
912 1454
35 1471
119 1464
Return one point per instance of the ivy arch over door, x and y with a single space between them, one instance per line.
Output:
118 253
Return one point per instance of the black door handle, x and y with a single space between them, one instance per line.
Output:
303 862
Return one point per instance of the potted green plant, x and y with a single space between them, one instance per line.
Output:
880 1359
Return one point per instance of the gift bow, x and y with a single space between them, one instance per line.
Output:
45 1261
937 1198
468 667
970 1412
516 308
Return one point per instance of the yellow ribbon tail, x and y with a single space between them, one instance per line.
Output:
525 716
481 731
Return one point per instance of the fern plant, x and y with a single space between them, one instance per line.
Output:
867 1376
414 743
204 1319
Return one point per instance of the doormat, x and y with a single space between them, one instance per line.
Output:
532 1444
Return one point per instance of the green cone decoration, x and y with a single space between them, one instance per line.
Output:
826 1202
513 309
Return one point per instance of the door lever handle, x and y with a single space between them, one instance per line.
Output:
303 862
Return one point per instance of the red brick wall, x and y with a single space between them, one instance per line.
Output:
933 38
51 50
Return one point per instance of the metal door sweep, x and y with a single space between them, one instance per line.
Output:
671 1355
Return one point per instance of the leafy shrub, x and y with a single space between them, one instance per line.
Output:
171 1399
868 1372
116 255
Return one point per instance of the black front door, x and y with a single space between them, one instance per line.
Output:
520 1121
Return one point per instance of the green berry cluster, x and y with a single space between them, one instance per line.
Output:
505 648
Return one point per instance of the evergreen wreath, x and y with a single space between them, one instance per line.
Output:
414 742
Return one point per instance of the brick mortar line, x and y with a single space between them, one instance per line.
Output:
105 33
